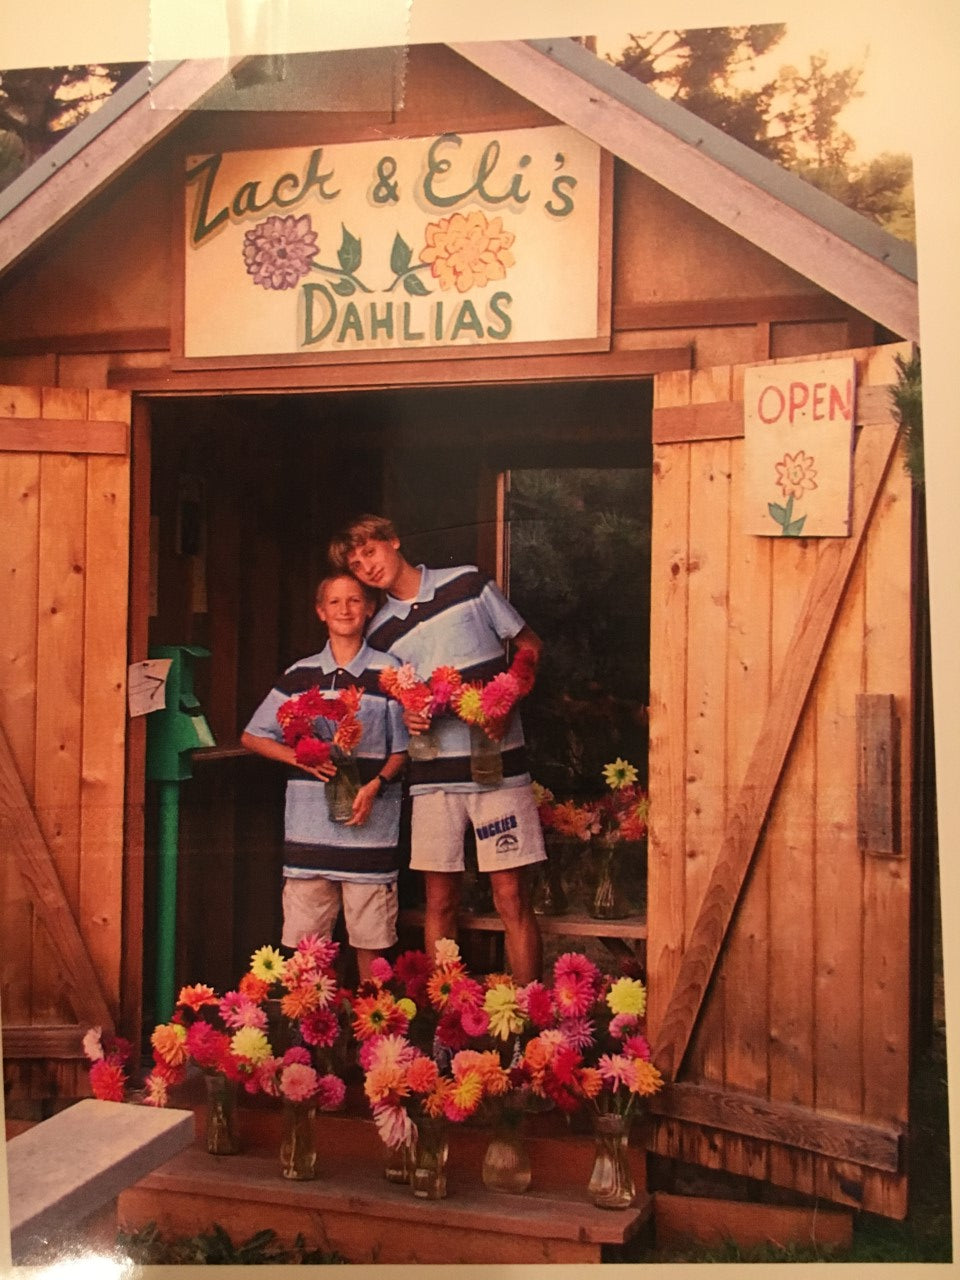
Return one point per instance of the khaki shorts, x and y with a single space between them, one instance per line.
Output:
311 905
505 822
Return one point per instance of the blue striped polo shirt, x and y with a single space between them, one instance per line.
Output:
459 618
313 845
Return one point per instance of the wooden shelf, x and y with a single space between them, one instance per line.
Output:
573 924
351 1207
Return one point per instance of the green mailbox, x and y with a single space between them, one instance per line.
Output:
172 733
180 726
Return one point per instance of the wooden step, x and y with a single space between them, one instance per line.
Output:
352 1208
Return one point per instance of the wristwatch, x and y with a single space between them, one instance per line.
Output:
384 782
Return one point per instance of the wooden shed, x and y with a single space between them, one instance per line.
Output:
176 445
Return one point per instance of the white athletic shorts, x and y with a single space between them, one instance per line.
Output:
505 822
312 904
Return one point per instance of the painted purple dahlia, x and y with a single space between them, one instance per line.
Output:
279 251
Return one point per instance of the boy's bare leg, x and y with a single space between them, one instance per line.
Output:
364 960
514 905
443 905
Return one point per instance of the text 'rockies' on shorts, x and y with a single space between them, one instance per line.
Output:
505 822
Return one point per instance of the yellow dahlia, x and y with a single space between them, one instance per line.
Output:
627 995
268 964
250 1042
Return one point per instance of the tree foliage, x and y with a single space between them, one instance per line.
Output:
39 104
792 118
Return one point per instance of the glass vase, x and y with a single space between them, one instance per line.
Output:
423 746
400 1162
342 788
298 1146
549 895
222 1130
609 901
506 1161
486 762
429 1178
611 1183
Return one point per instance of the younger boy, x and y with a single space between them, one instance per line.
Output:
456 617
356 862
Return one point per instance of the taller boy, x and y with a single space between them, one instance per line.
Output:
456 617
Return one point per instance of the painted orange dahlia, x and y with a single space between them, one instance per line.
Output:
467 249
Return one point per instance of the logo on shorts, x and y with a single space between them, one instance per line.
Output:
497 827
507 843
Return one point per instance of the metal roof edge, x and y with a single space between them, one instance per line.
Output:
734 155
82 134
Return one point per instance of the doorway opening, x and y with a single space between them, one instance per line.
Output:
245 494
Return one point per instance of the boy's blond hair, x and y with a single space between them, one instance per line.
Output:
333 577
365 528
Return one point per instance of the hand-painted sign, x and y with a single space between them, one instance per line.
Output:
451 241
798 428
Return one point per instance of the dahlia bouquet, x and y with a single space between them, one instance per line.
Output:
621 814
322 725
429 697
600 1018
417 1053
489 705
564 817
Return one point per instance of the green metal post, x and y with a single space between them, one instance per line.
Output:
168 840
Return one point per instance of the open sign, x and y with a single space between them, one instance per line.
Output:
798 433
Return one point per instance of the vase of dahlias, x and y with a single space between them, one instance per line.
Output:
506 1161
341 790
298 1145
611 1184
400 1162
423 746
222 1133
429 1177
609 901
486 760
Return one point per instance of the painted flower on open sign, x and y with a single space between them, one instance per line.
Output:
467 249
795 474
279 251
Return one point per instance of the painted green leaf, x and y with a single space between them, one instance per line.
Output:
779 513
343 287
792 530
413 284
349 253
400 255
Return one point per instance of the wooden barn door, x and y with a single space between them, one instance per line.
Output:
64 508
779 882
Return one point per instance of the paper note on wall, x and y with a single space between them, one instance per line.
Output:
147 686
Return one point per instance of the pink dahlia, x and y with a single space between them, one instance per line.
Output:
331 1092
298 1082
499 696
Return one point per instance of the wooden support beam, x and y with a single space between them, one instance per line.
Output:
23 840
62 435
875 449
723 419
65 1042
824 1132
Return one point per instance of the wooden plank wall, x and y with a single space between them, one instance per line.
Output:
810 1003
63 552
